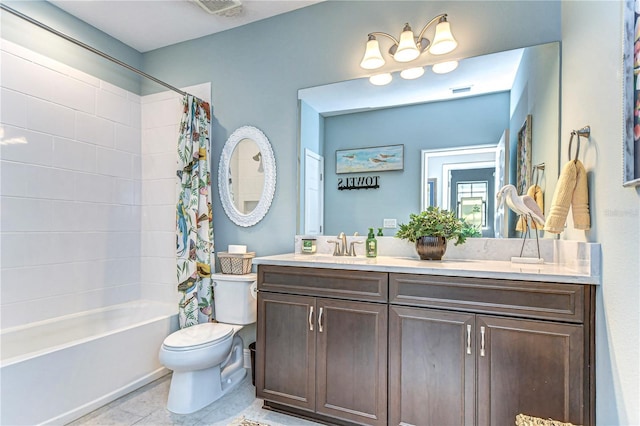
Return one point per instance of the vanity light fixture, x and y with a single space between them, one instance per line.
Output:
380 79
444 67
412 73
409 47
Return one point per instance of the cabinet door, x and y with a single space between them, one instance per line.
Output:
285 350
529 367
431 367
352 361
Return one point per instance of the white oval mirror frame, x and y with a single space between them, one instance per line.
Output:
269 166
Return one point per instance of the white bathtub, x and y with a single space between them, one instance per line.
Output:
55 371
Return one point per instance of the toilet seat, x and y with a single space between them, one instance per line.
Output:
197 336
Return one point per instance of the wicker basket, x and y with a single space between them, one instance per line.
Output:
235 264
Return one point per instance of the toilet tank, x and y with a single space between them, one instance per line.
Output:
235 298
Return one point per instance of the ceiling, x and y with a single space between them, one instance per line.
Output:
151 24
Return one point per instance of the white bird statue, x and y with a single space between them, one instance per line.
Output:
525 206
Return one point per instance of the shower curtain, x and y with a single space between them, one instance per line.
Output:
194 218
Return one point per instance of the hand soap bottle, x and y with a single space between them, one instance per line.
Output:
372 244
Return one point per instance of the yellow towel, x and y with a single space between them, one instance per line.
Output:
534 192
571 191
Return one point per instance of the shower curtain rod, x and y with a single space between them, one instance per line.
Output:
91 49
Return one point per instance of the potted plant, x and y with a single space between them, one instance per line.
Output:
431 229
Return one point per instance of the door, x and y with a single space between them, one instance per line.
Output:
352 361
431 367
285 349
472 197
313 193
529 367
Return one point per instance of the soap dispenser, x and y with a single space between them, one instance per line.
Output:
372 244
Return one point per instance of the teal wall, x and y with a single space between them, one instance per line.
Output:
21 32
478 120
256 70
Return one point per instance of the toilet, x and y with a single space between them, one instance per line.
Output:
208 359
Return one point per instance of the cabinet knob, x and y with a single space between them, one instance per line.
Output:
320 321
481 341
311 318
468 339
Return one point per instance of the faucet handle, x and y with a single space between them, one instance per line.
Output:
336 250
352 247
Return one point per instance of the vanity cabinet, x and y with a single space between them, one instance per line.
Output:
468 351
322 343
378 348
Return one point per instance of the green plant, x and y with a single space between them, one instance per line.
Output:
435 222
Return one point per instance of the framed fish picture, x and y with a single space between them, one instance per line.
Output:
372 159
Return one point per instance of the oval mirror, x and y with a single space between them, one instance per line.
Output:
246 176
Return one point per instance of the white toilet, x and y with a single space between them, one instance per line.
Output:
207 359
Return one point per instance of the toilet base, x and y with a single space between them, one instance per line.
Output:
191 391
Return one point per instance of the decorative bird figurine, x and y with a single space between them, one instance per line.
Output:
525 206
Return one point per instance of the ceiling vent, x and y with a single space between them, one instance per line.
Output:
220 7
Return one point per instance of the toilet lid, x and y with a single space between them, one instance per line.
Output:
198 335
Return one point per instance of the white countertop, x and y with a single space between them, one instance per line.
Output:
575 273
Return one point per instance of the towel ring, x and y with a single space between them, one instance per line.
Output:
585 131
536 172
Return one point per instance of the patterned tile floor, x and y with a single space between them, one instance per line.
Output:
146 406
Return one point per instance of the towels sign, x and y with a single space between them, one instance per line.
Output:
360 182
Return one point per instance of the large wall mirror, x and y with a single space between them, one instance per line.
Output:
247 176
484 100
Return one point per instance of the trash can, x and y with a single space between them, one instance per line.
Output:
252 349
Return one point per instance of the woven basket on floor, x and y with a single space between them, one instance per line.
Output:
524 420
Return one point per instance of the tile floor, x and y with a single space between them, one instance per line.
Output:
146 406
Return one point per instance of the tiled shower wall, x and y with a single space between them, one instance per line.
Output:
70 190
161 115
87 190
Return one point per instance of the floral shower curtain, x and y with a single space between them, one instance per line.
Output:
194 218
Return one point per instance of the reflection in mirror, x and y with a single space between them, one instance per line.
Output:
246 176
481 103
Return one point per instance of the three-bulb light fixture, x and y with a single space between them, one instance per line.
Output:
409 48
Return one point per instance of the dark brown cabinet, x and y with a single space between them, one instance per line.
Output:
461 364
325 356
361 347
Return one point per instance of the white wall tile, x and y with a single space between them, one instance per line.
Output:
50 183
24 76
14 178
114 163
25 214
95 188
74 155
120 245
124 191
161 270
159 166
158 192
128 139
113 107
13 108
136 112
47 117
159 243
164 292
67 216
158 218
73 93
95 130
160 140
163 113
26 146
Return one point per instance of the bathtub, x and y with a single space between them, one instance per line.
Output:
55 371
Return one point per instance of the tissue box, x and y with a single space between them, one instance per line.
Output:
235 263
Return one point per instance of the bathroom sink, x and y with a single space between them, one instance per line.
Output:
324 258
